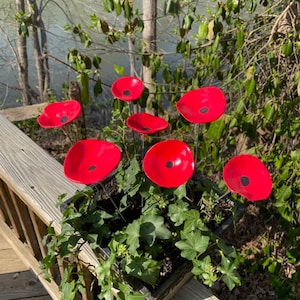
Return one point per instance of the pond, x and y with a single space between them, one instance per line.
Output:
55 18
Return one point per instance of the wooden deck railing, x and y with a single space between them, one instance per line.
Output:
30 183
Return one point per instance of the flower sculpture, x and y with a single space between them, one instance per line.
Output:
146 123
169 163
91 160
202 105
246 175
127 88
59 114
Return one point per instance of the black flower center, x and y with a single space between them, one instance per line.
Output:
245 180
126 92
92 168
169 164
63 119
203 110
145 128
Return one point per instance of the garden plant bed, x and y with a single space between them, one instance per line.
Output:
174 269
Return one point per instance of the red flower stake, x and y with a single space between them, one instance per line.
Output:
246 175
145 123
59 114
127 88
202 105
89 161
169 163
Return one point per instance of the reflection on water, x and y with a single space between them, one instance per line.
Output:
59 41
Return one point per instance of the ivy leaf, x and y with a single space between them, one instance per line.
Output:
126 293
193 221
192 244
143 268
176 212
229 251
230 276
133 235
153 227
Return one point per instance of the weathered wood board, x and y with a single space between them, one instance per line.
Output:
21 113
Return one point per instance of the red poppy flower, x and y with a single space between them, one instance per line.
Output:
169 163
246 175
59 114
127 88
202 105
89 161
146 123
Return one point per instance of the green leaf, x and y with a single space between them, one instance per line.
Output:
192 244
171 7
193 221
127 5
250 86
176 212
96 61
133 235
203 30
152 227
85 94
230 276
119 69
126 293
117 7
287 48
98 88
216 129
187 22
227 250
167 76
143 268
108 5
282 194
240 38
180 192
204 270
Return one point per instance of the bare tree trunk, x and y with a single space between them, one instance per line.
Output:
149 39
23 61
40 50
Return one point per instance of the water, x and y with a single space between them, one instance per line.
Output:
60 41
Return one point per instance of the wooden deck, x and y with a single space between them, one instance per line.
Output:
16 280
30 181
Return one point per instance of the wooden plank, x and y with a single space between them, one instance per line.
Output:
21 285
10 210
10 262
21 113
194 290
25 255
